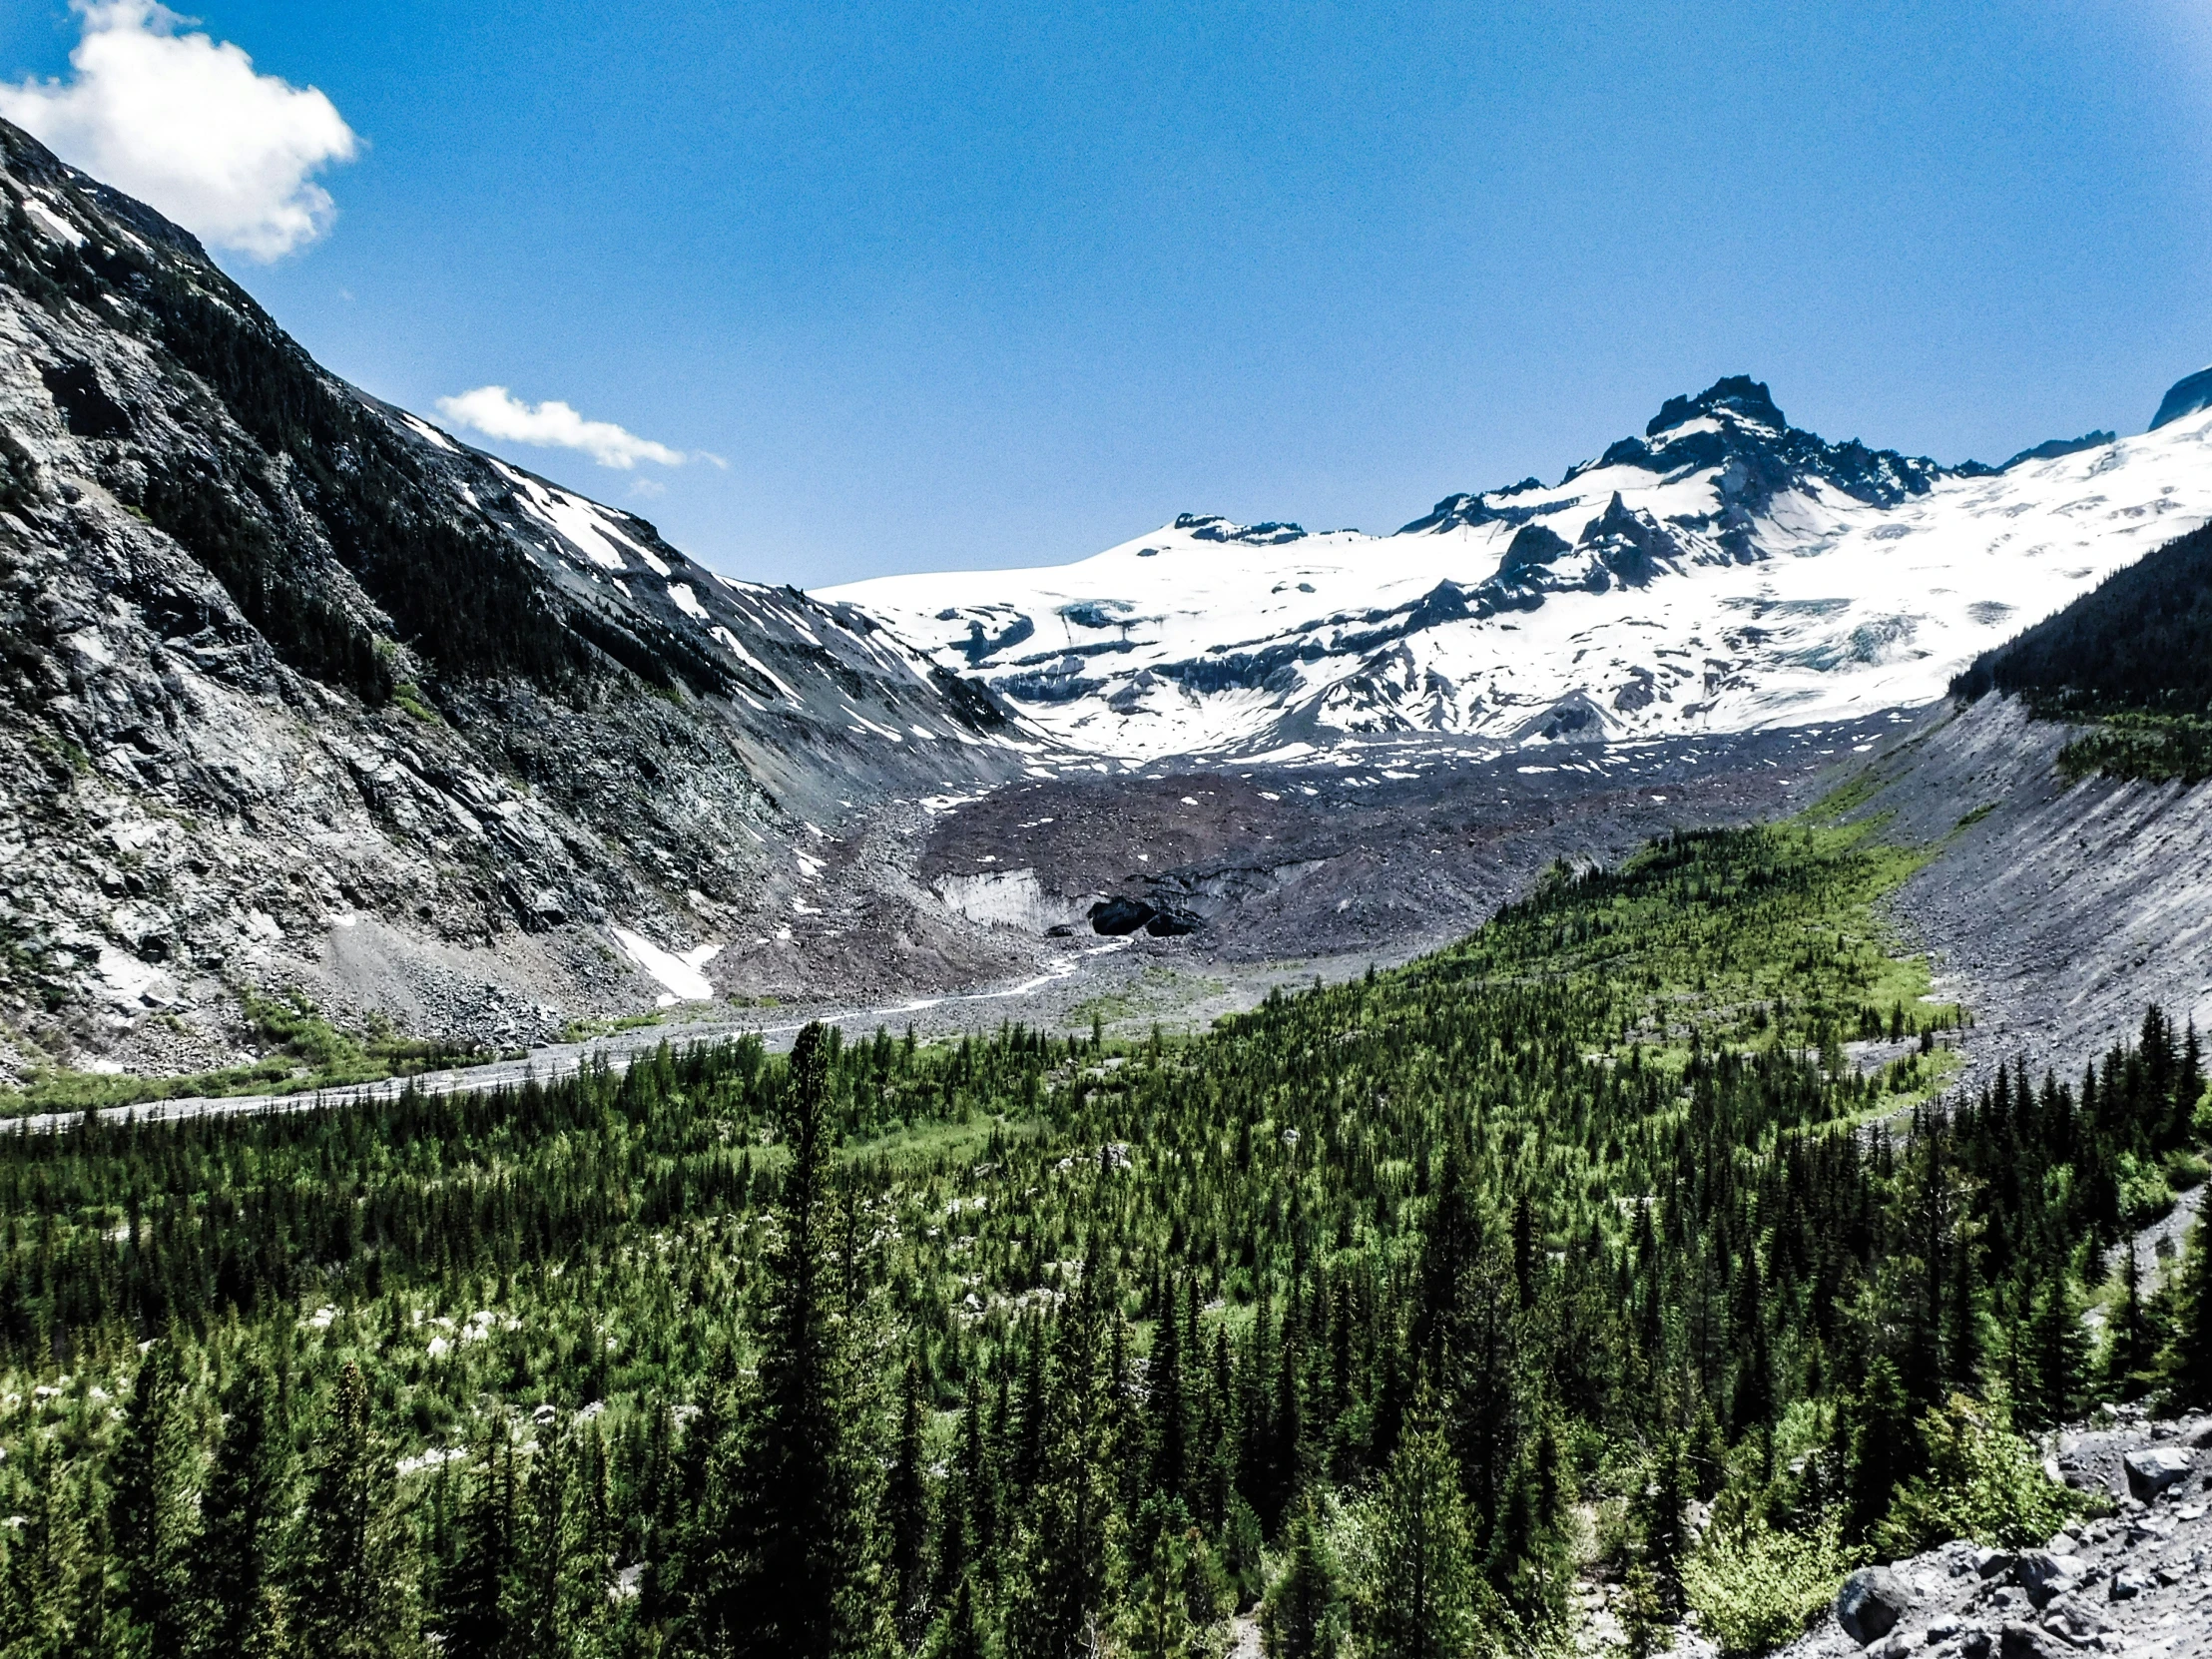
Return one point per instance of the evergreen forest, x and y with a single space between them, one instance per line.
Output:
2131 660
1652 1235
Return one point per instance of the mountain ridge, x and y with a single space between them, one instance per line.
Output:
303 692
1722 571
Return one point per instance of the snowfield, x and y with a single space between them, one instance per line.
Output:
1725 574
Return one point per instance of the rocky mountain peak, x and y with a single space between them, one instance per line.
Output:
1213 527
1736 394
2186 396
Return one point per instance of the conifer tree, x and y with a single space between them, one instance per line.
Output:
792 1573
1530 1563
906 1514
2189 1356
1304 1615
1751 1401
2060 1348
1420 1600
150 1518
1156 1616
1964 1348
475 1611
1877 1430
354 1599
43 1600
1661 1509
553 1599
238 1561
1059 1579
2131 1349
1169 1406
959 1634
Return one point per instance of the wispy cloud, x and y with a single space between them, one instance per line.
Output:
186 124
499 414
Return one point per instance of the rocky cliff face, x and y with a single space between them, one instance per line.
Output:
299 690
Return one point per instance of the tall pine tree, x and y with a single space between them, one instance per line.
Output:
150 1518
355 1593
239 1559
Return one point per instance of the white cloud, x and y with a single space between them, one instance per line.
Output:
183 123
498 414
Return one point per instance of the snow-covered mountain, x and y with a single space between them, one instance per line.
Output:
1723 572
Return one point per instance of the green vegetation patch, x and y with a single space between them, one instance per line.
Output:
1388 1309
305 1052
2152 748
1766 938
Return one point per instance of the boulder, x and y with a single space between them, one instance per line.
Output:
1976 1643
2126 1586
1994 1563
1871 1602
2024 1641
2156 1469
2075 1620
2044 1575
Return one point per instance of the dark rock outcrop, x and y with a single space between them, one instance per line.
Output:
2186 396
1120 916
1871 1602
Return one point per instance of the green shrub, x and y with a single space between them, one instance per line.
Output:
1755 1588
2144 1194
1983 1482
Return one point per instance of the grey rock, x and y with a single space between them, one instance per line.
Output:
1976 1643
2126 1586
2024 1641
1994 1563
1871 1602
2046 1576
2157 1470
2074 1618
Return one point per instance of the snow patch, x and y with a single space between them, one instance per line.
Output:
52 223
680 974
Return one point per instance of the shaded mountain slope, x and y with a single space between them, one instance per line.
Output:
2140 640
278 661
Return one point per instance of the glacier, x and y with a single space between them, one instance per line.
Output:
1725 572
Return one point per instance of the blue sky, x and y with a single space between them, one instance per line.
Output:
968 284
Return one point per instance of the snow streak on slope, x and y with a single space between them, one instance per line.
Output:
1723 573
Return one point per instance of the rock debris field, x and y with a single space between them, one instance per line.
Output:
2136 1583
